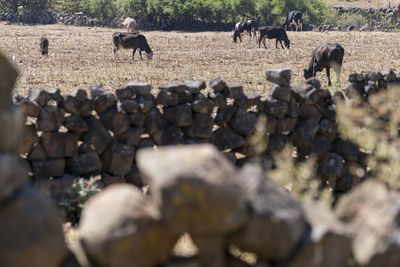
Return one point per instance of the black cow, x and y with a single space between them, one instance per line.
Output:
294 18
250 26
44 46
326 57
273 32
132 41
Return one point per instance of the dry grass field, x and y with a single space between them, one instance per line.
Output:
82 56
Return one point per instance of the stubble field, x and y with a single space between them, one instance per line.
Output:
79 56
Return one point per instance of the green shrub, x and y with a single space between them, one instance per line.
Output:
82 190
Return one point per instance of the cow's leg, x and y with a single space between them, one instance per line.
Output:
140 53
301 26
280 41
133 53
276 43
338 71
328 73
265 46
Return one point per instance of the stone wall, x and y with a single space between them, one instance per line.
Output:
99 134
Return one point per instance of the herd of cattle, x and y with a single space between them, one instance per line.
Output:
323 57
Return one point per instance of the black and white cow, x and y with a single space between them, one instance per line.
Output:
294 18
250 26
326 57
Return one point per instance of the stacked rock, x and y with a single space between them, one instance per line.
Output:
365 84
235 117
83 135
305 115
197 190
30 228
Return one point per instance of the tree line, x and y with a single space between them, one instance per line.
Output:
171 14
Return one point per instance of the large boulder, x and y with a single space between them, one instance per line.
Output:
276 225
31 233
328 243
372 212
196 188
120 227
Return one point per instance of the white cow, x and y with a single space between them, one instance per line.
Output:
130 25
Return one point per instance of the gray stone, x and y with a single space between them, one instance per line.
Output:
137 119
154 121
235 90
38 95
12 176
224 138
201 128
276 107
194 176
145 103
167 99
173 87
80 94
96 90
168 135
48 168
248 100
286 126
128 232
84 164
103 102
218 99
60 145
203 106
305 133
276 225
29 108
328 244
8 74
37 153
139 88
29 138
218 85
331 165
76 124
244 122
125 93
224 115
71 105
283 93
50 118
115 121
118 158
371 211
128 105
180 116
195 86
98 136
280 77
130 137
31 233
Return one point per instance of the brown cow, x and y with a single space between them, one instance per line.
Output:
132 41
272 32
44 46
326 57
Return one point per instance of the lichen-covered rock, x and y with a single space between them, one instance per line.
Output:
276 225
31 233
196 188
120 227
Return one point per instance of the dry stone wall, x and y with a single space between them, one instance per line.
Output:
99 133
30 227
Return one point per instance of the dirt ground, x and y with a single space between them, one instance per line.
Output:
80 56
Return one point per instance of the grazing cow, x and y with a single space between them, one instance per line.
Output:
294 18
326 57
130 25
132 41
272 32
44 46
250 26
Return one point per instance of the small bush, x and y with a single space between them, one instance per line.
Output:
82 190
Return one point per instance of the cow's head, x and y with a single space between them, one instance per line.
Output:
150 56
308 73
287 43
